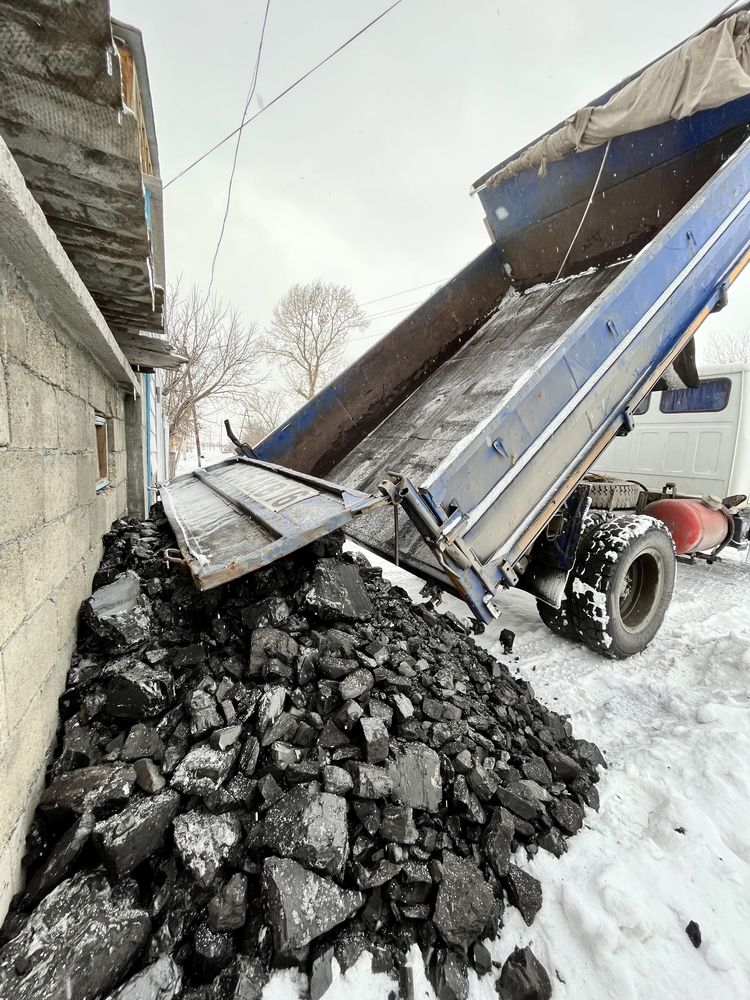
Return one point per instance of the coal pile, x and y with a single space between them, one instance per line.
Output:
294 768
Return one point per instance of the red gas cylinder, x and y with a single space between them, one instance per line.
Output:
694 526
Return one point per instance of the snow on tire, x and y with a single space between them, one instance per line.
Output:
623 584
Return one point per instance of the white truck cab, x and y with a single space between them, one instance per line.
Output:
698 439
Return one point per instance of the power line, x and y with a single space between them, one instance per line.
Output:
283 93
393 295
395 309
248 99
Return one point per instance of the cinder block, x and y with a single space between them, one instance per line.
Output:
118 467
98 390
116 401
21 494
32 409
122 498
13 603
4 730
45 355
98 518
8 866
75 373
116 432
60 484
113 510
68 597
24 763
12 873
12 328
87 475
77 524
4 415
47 559
91 562
77 428
28 657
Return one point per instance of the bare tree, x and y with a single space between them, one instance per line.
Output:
724 348
221 352
264 411
309 332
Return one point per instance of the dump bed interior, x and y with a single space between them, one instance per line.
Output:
458 397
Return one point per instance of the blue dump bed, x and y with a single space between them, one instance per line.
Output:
477 416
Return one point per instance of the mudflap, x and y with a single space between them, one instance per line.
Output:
554 552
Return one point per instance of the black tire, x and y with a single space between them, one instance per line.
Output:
623 585
613 494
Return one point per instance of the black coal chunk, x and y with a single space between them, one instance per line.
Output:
415 772
140 692
211 953
227 910
204 842
162 980
525 892
78 942
450 976
375 738
370 781
496 840
693 931
465 903
523 977
337 592
63 857
118 613
300 906
309 826
203 770
89 789
567 814
134 834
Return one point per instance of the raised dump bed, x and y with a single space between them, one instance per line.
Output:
480 414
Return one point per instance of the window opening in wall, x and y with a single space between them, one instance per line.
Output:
102 452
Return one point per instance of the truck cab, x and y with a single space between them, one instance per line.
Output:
696 438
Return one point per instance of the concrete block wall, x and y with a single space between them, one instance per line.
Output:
51 524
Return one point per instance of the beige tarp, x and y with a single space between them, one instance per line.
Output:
706 71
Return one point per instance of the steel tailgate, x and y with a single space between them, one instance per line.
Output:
239 515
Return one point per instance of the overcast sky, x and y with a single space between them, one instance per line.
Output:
361 175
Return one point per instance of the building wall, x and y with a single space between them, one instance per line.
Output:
51 525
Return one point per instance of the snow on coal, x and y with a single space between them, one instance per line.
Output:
299 766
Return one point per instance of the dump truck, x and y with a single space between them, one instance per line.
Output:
459 445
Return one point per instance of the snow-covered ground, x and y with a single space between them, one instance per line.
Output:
671 842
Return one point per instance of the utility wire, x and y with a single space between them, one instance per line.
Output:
248 99
283 93
403 291
395 309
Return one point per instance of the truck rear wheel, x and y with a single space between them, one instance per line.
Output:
623 585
